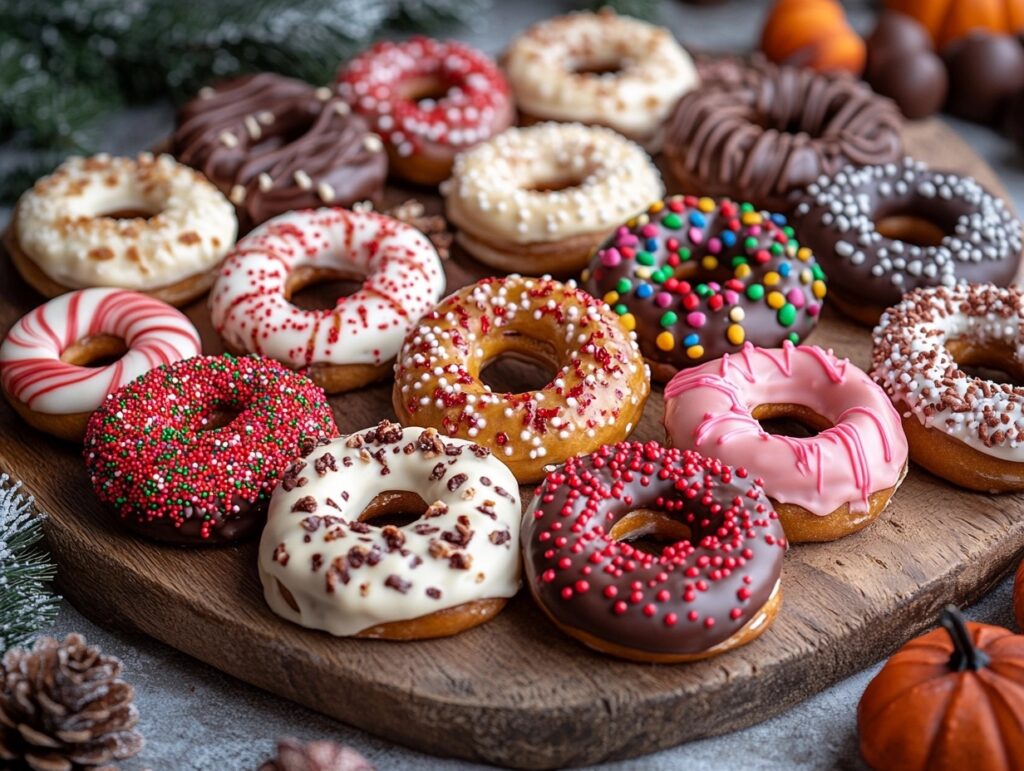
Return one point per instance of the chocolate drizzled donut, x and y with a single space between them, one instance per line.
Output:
760 132
273 144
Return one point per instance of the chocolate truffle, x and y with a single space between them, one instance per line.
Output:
985 70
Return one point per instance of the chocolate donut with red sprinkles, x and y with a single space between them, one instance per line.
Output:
713 587
190 452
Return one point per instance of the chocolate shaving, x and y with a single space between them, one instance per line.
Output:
397 583
306 504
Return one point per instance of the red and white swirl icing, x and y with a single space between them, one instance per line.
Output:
31 368
403 280
708 408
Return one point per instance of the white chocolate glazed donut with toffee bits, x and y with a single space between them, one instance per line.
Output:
340 348
596 396
541 199
823 487
600 68
43 356
967 429
179 229
325 565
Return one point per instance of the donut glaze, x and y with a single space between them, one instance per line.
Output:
695 594
33 372
153 460
346 576
697 278
980 240
708 408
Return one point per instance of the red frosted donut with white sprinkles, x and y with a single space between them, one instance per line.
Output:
429 100
48 359
713 588
346 346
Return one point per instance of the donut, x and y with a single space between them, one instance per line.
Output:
47 368
712 587
824 486
763 133
344 347
429 100
68 232
190 452
697 278
963 428
595 397
599 68
541 199
325 564
273 144
881 231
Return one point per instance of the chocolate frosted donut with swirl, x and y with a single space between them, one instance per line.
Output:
697 278
762 132
713 587
273 144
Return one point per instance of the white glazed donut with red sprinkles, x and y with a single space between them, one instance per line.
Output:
34 369
428 100
342 347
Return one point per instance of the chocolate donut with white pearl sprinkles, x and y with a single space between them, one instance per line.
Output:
881 231
190 452
713 587
596 395
697 278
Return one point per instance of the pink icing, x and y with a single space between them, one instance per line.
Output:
708 408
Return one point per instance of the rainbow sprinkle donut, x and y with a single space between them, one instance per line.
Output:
698 277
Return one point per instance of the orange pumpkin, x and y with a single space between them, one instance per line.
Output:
812 33
949 20
950 699
1018 596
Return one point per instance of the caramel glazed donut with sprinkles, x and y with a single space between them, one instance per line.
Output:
340 348
714 588
596 396
697 278
179 228
325 565
823 487
967 429
541 199
942 229
600 68
190 452
44 358
429 100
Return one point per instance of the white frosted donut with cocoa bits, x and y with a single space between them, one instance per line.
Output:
600 68
62 229
324 568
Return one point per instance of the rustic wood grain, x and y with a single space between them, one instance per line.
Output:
516 691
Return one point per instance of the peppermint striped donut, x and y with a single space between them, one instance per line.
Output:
44 360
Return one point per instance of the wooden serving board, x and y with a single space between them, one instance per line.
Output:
516 691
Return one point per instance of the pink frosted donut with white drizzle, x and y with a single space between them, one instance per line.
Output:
823 486
339 348
42 359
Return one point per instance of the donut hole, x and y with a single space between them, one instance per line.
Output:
793 420
650 530
593 65
394 507
320 289
912 228
221 416
994 361
95 351
426 91
519 364
132 213
554 184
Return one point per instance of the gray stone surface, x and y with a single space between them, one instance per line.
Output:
195 717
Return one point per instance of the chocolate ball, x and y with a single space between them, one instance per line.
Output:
895 33
915 80
985 70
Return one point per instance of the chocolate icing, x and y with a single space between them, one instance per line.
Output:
273 144
760 132
696 593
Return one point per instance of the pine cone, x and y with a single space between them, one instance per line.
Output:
63 706
293 755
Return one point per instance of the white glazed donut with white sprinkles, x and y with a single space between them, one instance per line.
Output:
342 347
324 567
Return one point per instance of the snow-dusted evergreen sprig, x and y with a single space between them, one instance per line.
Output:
27 602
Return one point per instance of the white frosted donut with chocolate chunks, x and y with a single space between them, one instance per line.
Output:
324 567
